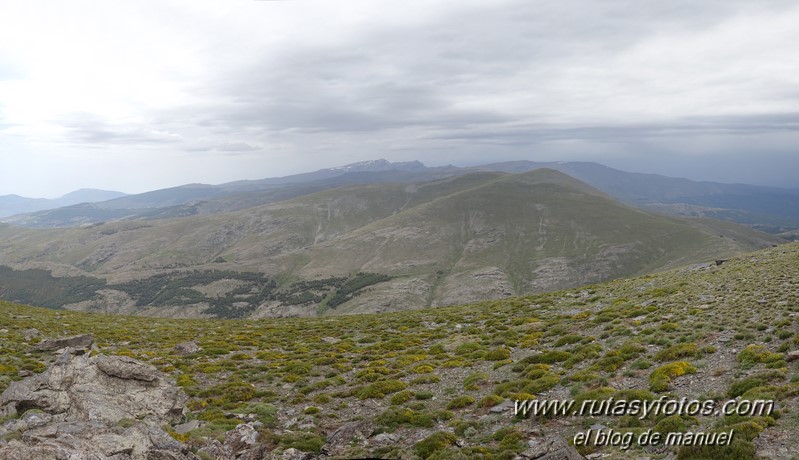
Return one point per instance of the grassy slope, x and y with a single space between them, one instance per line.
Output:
485 235
529 232
307 377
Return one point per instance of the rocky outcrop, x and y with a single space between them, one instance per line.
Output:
241 443
77 342
187 348
96 407
550 448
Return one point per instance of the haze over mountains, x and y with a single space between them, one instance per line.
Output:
373 236
15 204
772 209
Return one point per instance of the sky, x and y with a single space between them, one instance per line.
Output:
136 96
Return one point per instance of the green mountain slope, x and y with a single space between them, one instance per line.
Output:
384 385
472 237
514 234
770 209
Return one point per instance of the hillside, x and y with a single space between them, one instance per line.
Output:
203 199
769 209
441 383
375 247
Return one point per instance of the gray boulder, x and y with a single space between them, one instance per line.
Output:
187 348
99 407
550 448
105 388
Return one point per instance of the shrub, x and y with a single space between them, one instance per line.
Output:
567 340
629 395
395 416
322 398
671 424
497 354
588 351
757 354
402 397
232 392
185 380
8 369
660 378
463 427
683 350
426 379
473 380
457 362
542 384
436 441
765 392
548 357
504 433
740 387
783 334
514 386
267 413
467 348
609 363
669 327
535 371
437 349
305 442
381 388
218 418
641 364
490 401
582 376
460 402
597 394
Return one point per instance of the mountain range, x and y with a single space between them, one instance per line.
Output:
15 204
770 209
593 284
362 247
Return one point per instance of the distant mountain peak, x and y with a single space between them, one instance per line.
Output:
91 194
379 165
15 204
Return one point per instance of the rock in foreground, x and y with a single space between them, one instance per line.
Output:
93 407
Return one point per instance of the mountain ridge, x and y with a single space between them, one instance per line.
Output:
15 204
770 209
461 238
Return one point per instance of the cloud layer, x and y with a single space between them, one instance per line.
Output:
97 95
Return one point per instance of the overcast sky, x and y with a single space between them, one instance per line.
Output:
139 95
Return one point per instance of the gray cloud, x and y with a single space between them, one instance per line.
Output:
646 85
87 128
230 148
455 73
531 134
